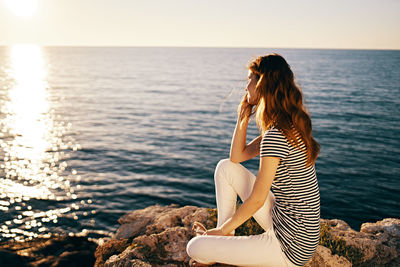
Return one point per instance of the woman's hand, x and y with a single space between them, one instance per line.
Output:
244 109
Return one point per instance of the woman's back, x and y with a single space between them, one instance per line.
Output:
296 213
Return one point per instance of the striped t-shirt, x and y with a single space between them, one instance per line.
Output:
296 213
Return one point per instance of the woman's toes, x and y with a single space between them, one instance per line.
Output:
199 228
199 225
199 231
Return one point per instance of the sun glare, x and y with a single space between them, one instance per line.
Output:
22 8
32 147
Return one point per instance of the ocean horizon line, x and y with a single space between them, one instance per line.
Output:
211 47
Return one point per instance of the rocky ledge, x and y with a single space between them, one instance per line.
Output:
157 236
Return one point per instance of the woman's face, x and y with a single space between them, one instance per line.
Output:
250 88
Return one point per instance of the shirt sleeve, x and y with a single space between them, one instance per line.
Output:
274 144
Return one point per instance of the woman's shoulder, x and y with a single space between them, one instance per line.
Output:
275 131
274 144
275 134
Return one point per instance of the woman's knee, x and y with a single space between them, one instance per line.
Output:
222 166
196 246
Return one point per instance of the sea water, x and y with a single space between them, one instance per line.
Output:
90 133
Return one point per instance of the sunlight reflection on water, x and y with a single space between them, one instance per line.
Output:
33 149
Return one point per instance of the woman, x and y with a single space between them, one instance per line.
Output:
284 197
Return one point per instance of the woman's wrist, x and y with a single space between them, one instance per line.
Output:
243 122
225 228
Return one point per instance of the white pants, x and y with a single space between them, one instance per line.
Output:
232 179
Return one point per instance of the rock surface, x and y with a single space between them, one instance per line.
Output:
379 241
323 257
56 251
157 236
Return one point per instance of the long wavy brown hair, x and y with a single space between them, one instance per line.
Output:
280 103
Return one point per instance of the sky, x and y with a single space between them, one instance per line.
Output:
342 24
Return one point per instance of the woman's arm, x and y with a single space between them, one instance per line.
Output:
261 189
239 150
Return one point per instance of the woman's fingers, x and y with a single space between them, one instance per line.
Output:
245 107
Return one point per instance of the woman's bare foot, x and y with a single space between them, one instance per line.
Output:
199 228
193 263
